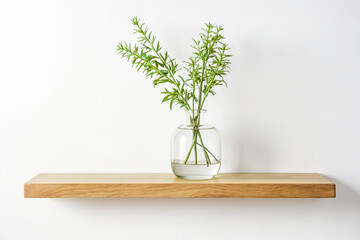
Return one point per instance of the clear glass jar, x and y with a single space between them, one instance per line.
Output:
195 148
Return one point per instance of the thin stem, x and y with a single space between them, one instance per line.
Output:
188 155
208 161
195 147
208 151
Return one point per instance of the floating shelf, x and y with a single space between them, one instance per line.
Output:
166 185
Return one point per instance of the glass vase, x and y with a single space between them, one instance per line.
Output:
195 148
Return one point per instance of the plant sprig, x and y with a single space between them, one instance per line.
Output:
206 69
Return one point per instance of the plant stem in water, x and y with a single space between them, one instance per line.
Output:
193 147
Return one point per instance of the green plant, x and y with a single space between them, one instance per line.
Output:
205 70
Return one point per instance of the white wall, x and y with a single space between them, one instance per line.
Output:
68 103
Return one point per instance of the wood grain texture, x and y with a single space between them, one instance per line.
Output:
166 185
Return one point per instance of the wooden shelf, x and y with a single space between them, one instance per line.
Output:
166 185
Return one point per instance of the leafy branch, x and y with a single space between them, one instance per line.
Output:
147 56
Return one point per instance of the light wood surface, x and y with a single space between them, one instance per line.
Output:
166 185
